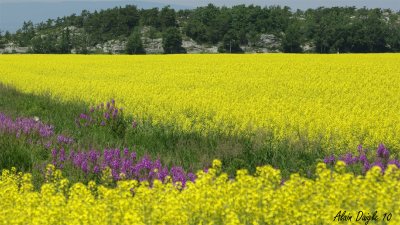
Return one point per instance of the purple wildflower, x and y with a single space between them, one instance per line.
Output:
330 160
395 162
62 155
106 116
349 159
133 156
379 164
191 176
96 169
54 155
382 152
126 152
84 167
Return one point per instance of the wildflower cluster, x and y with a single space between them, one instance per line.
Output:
32 131
355 163
212 199
123 165
29 127
104 115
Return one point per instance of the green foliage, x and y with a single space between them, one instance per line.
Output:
65 43
152 33
189 150
172 41
2 40
328 30
292 39
167 18
150 17
134 44
25 34
46 43
81 43
230 44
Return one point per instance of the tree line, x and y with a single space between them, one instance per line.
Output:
323 30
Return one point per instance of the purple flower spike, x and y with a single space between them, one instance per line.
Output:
162 174
93 155
106 115
54 155
61 139
191 177
62 155
363 158
330 159
133 156
48 145
382 152
349 159
83 116
126 152
96 169
360 148
84 167
395 162
367 166
380 164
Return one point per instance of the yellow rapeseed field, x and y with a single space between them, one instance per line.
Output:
212 199
338 100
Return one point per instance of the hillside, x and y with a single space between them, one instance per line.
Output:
211 29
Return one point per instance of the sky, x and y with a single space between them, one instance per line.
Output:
14 12
395 4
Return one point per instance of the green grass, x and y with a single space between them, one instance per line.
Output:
191 151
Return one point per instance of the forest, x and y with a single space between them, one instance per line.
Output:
321 30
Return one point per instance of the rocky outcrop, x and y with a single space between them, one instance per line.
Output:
13 48
265 43
153 46
111 47
192 47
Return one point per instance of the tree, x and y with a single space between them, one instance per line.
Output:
152 33
167 17
81 43
150 17
65 45
172 41
45 44
134 44
26 33
2 40
7 36
230 43
291 41
252 37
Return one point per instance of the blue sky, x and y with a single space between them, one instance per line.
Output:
395 4
14 12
